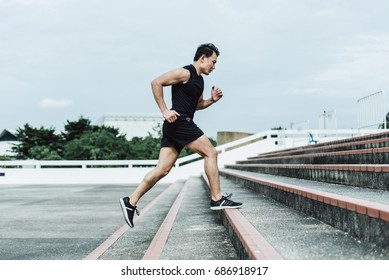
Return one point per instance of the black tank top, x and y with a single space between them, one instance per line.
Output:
186 96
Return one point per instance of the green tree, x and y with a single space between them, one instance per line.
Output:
83 141
75 129
147 147
5 157
35 143
43 153
100 144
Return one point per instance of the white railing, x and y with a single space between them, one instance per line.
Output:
71 164
372 110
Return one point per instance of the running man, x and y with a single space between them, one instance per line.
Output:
180 131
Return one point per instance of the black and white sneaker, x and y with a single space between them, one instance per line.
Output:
128 211
224 203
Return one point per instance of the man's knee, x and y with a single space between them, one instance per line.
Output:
212 153
156 174
162 171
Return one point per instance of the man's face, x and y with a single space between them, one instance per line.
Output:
209 63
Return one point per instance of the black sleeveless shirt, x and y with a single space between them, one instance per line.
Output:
186 96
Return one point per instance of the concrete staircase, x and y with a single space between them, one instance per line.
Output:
176 225
340 185
323 201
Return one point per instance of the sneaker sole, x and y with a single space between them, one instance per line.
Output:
224 207
125 213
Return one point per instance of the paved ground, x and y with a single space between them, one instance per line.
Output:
67 222
57 222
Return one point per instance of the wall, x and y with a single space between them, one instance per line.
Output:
224 137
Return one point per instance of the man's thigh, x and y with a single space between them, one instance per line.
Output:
167 157
202 146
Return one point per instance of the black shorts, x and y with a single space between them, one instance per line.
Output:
179 133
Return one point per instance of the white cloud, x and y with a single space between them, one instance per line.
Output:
52 103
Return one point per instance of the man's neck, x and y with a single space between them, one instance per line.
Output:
196 64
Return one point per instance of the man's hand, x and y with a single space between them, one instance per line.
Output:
170 115
216 94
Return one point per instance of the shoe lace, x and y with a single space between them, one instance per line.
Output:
137 211
227 196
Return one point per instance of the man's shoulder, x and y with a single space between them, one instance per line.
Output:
188 67
192 71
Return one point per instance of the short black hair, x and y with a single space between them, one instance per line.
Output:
207 49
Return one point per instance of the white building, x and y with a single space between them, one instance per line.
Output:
7 140
132 125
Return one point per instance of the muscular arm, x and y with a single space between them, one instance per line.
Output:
175 76
216 94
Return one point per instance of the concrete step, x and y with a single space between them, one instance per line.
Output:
365 176
296 235
179 225
373 141
361 213
198 233
133 243
359 156
248 242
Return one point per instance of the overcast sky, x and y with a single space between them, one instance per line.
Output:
281 61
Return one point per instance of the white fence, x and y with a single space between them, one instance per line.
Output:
133 171
372 110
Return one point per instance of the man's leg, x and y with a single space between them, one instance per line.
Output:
167 158
204 147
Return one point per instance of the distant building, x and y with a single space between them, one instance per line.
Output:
224 137
132 125
7 140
